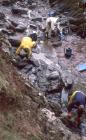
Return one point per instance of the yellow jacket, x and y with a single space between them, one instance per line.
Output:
26 43
72 97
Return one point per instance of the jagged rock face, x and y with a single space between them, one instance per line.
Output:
53 128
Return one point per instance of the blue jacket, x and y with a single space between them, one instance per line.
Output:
79 99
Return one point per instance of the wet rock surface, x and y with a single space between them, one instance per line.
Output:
48 70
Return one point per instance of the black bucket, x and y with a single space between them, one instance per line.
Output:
68 52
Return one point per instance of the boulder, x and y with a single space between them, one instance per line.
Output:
55 106
7 32
37 19
19 63
54 86
42 83
51 68
2 16
52 126
6 2
54 81
32 5
32 26
32 78
30 2
34 62
67 78
53 76
14 22
57 43
14 40
27 69
20 28
19 10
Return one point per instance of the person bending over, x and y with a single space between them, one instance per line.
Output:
26 44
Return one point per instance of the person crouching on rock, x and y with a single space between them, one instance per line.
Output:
26 44
77 100
51 25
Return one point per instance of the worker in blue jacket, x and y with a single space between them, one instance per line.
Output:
77 100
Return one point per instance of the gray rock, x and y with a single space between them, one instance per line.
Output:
19 63
7 32
14 22
30 2
67 78
33 71
56 107
20 28
6 2
1 24
51 67
43 65
33 5
9 26
52 126
32 78
33 26
19 10
2 16
27 69
56 44
54 97
53 76
34 62
54 86
43 84
36 50
37 19
14 40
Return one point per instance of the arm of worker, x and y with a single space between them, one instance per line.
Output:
18 49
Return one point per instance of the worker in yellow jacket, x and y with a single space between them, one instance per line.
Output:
26 44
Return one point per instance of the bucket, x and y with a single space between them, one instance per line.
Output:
68 52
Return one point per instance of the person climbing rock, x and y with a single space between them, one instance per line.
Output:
26 44
78 101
